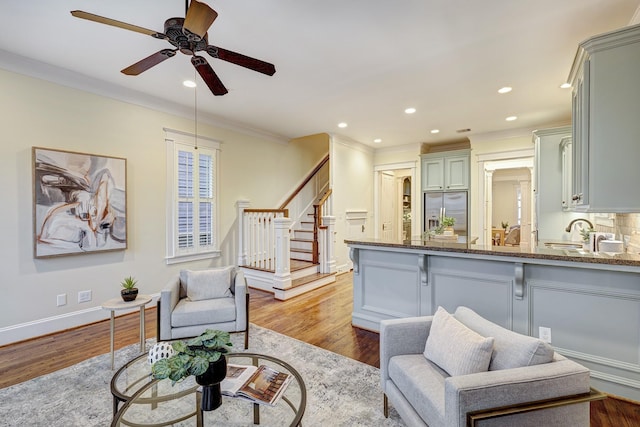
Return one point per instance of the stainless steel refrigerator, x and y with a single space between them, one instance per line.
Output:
437 204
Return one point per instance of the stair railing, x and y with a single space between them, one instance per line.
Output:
326 232
258 236
320 208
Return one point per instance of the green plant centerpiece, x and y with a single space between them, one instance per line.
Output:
193 357
447 224
585 233
130 292
202 357
505 225
448 221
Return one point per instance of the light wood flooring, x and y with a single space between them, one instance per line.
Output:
321 317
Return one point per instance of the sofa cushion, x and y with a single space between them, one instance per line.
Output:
188 313
455 348
207 284
510 349
422 384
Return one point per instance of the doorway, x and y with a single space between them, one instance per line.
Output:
510 206
488 165
394 192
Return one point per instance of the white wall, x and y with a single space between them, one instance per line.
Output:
39 113
352 184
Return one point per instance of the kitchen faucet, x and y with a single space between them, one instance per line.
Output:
568 229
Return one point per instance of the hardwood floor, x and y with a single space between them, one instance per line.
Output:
321 318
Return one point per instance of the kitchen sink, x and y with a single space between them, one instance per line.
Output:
573 251
562 245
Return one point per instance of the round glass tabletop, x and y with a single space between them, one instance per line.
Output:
151 402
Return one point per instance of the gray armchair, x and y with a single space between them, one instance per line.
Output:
519 387
215 298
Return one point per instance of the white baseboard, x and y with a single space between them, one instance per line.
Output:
48 325
344 268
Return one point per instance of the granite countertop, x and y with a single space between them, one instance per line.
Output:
539 252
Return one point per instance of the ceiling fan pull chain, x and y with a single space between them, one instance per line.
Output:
195 104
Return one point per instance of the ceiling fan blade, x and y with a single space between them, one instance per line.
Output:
148 62
242 60
208 75
198 20
114 23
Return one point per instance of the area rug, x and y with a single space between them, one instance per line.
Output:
340 391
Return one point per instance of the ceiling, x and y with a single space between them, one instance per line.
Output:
361 62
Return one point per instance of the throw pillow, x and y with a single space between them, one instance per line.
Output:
208 284
511 349
455 348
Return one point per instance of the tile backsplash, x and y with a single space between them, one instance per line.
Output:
628 225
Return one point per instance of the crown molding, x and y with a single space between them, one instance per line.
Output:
40 70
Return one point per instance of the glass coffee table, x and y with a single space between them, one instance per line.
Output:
150 402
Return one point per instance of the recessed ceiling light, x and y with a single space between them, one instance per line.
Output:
435 130
505 89
342 125
189 83
511 118
377 140
565 85
410 110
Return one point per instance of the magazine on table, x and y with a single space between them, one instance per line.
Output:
259 384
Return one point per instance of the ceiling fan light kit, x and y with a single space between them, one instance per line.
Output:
189 36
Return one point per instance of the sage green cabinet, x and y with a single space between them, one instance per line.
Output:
550 219
445 171
605 78
566 150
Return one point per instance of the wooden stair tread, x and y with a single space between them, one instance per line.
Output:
301 240
296 264
304 251
307 279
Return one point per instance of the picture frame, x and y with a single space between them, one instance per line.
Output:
79 203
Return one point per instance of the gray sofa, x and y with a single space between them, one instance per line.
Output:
521 370
220 302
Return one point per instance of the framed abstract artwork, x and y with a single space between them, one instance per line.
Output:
79 203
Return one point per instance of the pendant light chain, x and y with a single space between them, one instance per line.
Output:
195 106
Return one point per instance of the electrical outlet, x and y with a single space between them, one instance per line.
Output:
61 300
84 296
544 334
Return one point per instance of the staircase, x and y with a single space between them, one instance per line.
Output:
289 251
305 272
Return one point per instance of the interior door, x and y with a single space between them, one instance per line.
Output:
388 203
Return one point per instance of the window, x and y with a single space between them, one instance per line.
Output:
192 207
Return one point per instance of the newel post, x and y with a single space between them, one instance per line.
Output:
327 251
282 277
241 205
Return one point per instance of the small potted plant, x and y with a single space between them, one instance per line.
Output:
585 233
505 225
202 357
448 223
130 292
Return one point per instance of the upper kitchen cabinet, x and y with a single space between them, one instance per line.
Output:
445 171
566 150
548 186
605 78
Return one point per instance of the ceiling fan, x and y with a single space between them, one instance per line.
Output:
189 36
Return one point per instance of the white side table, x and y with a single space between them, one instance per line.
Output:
119 304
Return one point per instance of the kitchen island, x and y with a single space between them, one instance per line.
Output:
589 302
